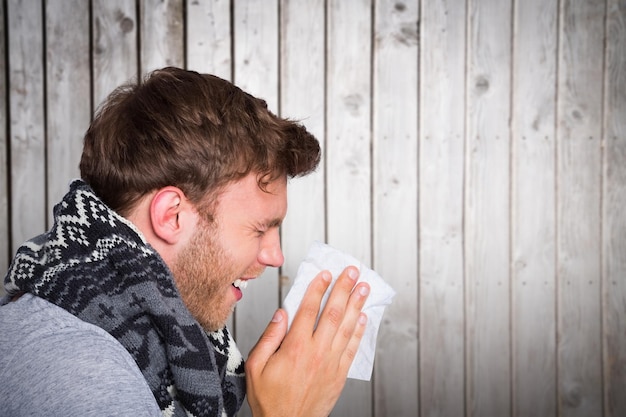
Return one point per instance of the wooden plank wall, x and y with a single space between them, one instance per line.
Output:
474 155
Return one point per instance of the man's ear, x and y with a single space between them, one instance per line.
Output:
166 208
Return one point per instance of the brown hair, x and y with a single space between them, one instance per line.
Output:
194 131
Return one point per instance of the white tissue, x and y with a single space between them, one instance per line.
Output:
323 257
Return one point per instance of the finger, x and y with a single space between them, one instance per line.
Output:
353 313
306 317
334 312
353 345
268 343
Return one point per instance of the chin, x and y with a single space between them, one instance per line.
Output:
212 325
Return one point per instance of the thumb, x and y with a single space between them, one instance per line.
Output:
269 341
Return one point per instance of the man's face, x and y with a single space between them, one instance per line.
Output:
220 257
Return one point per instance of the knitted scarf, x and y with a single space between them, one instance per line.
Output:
96 265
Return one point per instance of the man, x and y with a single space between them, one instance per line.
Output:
120 308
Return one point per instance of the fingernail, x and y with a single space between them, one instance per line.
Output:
363 319
353 273
364 290
326 276
277 317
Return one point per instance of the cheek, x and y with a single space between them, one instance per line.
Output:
242 248
245 258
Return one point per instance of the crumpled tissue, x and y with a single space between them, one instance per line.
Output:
324 257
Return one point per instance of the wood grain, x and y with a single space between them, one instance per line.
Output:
395 190
348 152
209 37
487 209
614 221
27 120
5 174
579 177
302 99
162 34
441 202
115 55
533 209
68 96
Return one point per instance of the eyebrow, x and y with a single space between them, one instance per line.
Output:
276 222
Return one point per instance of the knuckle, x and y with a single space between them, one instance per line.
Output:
350 353
333 315
308 311
347 333
359 332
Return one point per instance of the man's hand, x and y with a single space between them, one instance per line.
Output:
302 373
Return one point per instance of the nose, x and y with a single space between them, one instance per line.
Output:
271 254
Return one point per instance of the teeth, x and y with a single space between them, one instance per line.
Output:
240 283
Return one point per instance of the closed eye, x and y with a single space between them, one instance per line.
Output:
262 228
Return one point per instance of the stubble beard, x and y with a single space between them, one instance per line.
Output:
203 272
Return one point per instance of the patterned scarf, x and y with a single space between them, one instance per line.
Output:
96 265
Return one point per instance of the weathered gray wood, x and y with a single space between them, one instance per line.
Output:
162 34
115 56
348 159
441 174
487 206
579 176
533 209
394 223
256 71
27 131
302 99
68 95
208 37
491 195
5 174
614 220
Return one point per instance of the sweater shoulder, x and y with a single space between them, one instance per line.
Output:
53 363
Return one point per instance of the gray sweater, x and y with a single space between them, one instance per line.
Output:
54 364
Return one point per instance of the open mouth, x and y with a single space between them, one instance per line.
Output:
240 283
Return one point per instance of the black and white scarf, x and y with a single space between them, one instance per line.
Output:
97 265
